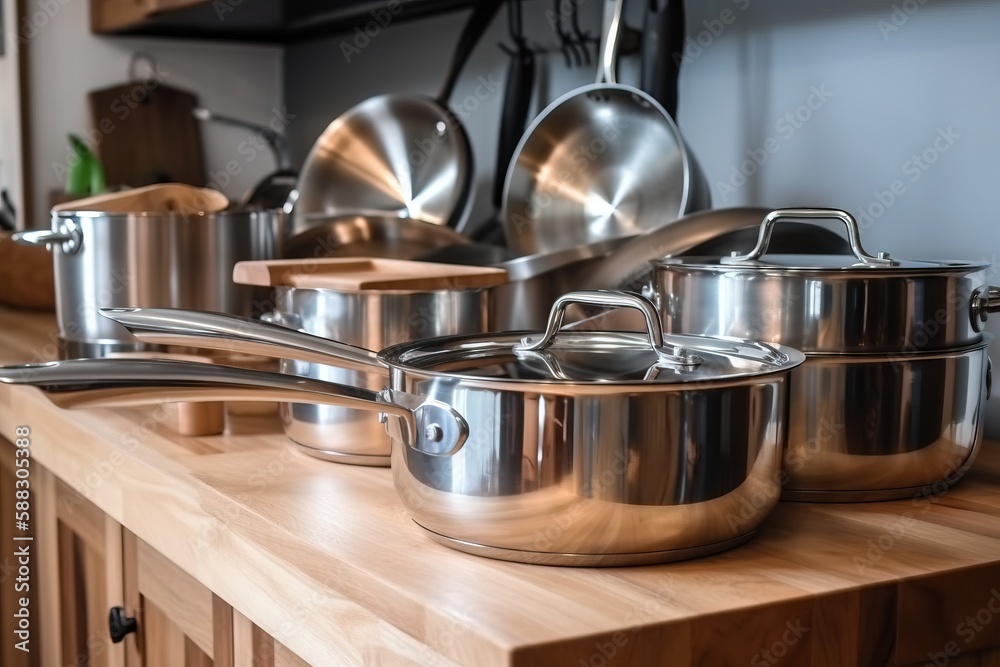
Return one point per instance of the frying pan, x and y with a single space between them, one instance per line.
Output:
602 162
398 154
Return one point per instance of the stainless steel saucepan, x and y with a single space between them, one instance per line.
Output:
573 448
891 398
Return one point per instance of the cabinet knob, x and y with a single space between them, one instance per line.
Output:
120 624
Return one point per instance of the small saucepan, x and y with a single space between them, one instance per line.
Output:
572 448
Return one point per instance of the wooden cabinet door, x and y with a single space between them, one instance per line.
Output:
180 622
89 566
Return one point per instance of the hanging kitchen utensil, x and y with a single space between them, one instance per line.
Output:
602 162
650 443
402 155
272 191
891 398
662 51
146 131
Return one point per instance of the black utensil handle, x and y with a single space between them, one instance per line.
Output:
483 12
662 51
514 115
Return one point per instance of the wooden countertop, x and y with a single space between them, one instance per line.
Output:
324 558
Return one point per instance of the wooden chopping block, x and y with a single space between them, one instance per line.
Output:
148 134
26 277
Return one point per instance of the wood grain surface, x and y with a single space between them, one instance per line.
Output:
361 274
324 559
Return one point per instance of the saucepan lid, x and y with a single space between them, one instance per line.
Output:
860 261
557 356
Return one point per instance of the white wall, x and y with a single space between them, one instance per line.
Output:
10 109
67 62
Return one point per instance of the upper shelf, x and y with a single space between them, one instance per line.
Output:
268 21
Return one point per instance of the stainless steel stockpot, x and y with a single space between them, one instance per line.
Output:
162 260
828 304
891 397
875 427
371 320
574 448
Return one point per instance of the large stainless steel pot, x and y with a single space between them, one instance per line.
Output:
169 260
576 448
890 399
371 320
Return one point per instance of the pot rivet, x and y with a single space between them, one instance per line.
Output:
883 255
434 433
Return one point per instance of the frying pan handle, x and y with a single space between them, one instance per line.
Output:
483 12
853 235
613 10
669 353
215 331
514 115
430 427
662 51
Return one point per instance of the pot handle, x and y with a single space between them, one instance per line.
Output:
669 352
853 235
69 235
611 34
982 303
215 331
429 427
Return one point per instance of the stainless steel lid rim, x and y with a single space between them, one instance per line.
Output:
941 268
902 355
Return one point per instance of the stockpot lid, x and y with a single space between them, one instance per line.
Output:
860 261
576 357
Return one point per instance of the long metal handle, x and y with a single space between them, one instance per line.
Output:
69 235
275 141
853 235
611 34
430 427
669 352
215 331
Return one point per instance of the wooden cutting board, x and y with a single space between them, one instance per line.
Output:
364 274
147 135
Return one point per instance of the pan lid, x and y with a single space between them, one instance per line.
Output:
860 260
576 357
